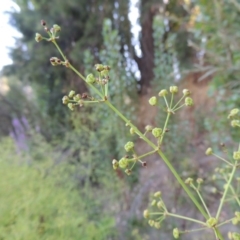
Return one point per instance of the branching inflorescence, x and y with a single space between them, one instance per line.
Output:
98 84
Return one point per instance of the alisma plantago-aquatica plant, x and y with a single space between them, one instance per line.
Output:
98 82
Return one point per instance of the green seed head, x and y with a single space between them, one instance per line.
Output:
153 101
173 89
186 92
146 213
65 100
123 163
38 37
157 132
236 155
209 151
176 233
71 94
90 78
129 146
163 93
188 101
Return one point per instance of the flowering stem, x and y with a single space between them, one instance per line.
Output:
141 135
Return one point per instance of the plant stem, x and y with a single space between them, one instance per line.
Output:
185 218
226 190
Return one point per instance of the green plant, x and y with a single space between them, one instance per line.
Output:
98 82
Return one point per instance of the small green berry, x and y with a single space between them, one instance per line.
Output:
128 171
234 112
129 146
157 132
157 194
163 93
77 97
153 203
90 78
188 101
160 204
199 180
149 128
71 106
151 222
236 155
235 123
132 131
173 89
99 67
186 92
176 233
123 163
153 101
157 225
146 213
189 181
211 222
71 94
65 100
235 221
56 28
38 37
115 164
209 151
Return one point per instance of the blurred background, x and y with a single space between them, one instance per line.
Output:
56 177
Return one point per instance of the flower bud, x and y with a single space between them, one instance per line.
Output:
153 101
153 203
99 67
77 97
173 89
104 73
123 162
233 113
188 101
235 123
146 213
186 92
38 37
235 221
56 28
199 180
129 146
149 128
157 194
237 214
211 222
209 151
160 204
115 164
176 233
189 181
90 78
236 155
65 100
132 131
157 132
163 93
71 94
128 171
157 225
55 61
71 106
151 223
